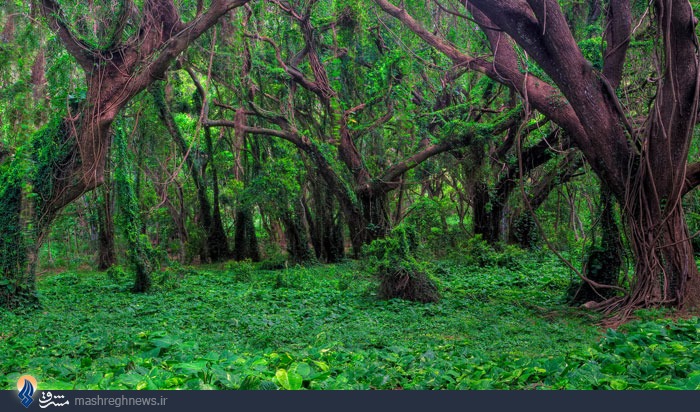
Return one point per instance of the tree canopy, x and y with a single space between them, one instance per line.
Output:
173 133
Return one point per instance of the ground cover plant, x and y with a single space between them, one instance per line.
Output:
322 327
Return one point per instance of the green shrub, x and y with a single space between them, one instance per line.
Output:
400 274
171 277
477 252
241 271
117 274
277 262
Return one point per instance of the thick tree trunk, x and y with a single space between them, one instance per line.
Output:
488 211
324 225
296 236
245 242
665 268
375 223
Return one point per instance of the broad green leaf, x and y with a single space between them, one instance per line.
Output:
191 368
289 380
303 369
618 384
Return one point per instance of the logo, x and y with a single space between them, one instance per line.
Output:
26 385
48 399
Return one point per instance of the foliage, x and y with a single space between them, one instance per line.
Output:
427 218
592 50
140 252
475 251
51 150
400 274
25 184
13 256
321 330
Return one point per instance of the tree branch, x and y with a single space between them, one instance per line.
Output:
175 43
617 36
83 54
388 179
692 177
541 95
295 73
563 173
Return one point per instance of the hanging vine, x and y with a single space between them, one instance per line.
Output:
140 253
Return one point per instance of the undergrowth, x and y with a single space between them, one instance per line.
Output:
323 327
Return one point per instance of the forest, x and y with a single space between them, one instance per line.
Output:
350 194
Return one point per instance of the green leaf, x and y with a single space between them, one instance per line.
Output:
164 342
618 384
289 380
322 365
174 382
191 368
131 380
303 369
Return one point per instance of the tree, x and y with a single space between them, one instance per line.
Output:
360 139
129 49
644 167
215 245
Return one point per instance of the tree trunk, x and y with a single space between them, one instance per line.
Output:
665 268
245 242
18 246
217 241
139 252
215 246
325 227
296 236
604 262
106 255
488 212
375 214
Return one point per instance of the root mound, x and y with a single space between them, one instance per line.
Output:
408 285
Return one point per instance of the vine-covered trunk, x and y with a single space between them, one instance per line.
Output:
324 226
18 247
140 252
665 268
106 256
375 214
25 217
488 212
604 261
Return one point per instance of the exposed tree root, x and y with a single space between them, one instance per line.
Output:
408 285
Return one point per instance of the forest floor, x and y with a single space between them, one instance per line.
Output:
236 326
